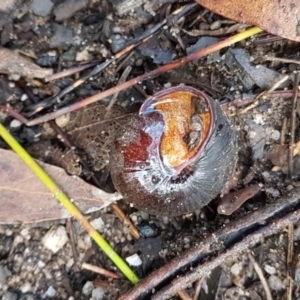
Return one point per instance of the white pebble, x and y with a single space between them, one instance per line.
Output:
24 97
236 269
15 124
270 270
8 232
55 238
134 260
50 292
275 135
88 288
26 287
63 120
41 264
98 293
98 224
275 283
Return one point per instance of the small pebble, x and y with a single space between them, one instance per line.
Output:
9 296
50 292
41 7
8 232
98 224
15 124
41 264
236 269
4 273
24 97
98 293
275 135
270 270
297 274
24 232
62 121
55 238
275 283
26 287
88 288
134 260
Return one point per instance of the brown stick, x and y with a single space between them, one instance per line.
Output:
216 244
152 74
292 126
261 276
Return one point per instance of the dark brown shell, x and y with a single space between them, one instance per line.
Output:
140 174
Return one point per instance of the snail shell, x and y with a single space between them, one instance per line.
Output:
176 155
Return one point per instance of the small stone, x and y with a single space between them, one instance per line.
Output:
98 293
50 292
84 55
275 283
98 224
15 124
275 135
24 232
4 273
297 274
134 260
236 269
69 55
26 287
88 288
63 121
8 232
62 37
42 7
69 264
9 296
55 238
270 270
41 264
68 8
24 97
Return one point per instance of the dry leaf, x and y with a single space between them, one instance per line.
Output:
13 63
277 17
24 198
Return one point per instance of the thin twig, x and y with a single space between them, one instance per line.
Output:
289 260
261 276
292 125
126 222
163 69
211 252
284 60
70 71
263 94
198 286
114 98
99 270
72 236
184 295
283 131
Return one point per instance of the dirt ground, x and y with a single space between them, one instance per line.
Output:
45 258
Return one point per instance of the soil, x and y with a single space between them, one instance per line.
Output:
54 36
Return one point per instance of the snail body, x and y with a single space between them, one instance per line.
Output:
176 155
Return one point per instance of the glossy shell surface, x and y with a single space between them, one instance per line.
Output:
157 164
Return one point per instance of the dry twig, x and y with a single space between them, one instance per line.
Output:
100 271
292 126
261 276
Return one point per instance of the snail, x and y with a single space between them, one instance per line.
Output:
176 155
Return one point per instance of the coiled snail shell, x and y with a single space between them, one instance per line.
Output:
176 155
